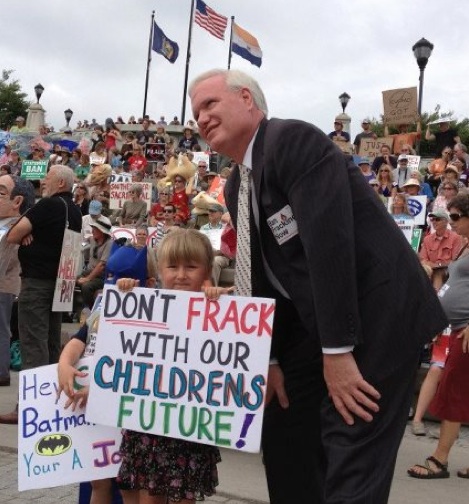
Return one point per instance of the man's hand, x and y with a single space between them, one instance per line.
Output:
464 335
351 394
275 386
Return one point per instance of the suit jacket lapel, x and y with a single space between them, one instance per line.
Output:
258 158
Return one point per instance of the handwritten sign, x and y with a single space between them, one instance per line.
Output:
413 162
400 106
370 148
120 191
58 446
70 266
33 170
176 364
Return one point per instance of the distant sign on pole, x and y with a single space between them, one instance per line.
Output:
400 106
33 170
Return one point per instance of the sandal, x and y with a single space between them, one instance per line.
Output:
418 429
463 474
431 473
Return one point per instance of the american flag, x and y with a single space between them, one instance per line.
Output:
207 18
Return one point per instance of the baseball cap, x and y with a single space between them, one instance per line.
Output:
95 207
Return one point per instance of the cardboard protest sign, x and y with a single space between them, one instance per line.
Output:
400 106
120 192
370 148
214 235
176 364
155 152
58 446
70 266
343 146
33 170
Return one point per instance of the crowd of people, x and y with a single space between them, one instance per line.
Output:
336 392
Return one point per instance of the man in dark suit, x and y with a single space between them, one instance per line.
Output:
353 305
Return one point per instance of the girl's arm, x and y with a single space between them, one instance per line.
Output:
71 353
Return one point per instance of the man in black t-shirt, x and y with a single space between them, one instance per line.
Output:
40 235
446 137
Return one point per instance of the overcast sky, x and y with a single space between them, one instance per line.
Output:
90 55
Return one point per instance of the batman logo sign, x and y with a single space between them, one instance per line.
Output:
53 444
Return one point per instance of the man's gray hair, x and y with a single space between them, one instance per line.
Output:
66 174
23 188
235 81
461 146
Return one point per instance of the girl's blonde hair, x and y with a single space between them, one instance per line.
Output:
186 245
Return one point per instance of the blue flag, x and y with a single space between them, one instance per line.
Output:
164 46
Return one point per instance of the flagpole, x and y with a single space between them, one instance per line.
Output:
148 64
231 41
188 58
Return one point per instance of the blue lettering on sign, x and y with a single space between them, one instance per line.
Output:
415 207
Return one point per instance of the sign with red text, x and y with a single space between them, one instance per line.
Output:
176 364
155 152
70 266
400 106
58 446
120 192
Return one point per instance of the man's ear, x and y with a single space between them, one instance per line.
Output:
17 201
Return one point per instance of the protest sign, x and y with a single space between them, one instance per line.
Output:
33 170
400 106
415 240
176 364
343 146
201 156
217 189
214 235
57 446
155 152
405 225
413 162
129 234
120 177
370 147
418 208
70 267
120 192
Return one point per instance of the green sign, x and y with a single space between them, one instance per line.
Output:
33 170
415 240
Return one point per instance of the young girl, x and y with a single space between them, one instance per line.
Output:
154 468
157 469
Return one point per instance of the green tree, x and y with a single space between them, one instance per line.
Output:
12 100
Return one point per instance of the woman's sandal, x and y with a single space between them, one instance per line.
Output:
431 473
463 474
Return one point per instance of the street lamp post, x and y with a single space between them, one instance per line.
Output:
422 51
38 89
68 116
344 99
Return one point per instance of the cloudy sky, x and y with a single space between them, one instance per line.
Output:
90 55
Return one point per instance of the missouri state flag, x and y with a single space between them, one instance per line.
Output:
245 45
163 45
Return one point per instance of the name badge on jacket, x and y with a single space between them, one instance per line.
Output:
283 225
